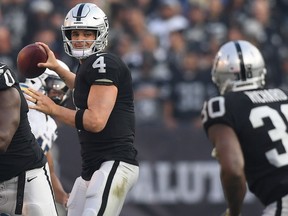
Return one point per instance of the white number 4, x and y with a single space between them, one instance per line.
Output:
99 63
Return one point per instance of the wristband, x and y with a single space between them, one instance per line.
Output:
79 119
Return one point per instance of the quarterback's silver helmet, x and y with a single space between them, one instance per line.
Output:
238 66
85 16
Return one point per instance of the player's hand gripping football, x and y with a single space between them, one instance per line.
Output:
41 102
51 62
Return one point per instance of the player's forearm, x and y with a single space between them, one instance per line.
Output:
69 79
67 76
91 122
64 115
60 195
235 190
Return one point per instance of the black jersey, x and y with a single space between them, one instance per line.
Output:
259 118
115 141
23 153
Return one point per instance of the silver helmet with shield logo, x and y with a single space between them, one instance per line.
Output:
238 66
86 16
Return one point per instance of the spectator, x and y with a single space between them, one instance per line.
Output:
167 20
7 53
189 88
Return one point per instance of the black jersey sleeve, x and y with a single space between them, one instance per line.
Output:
7 77
105 69
215 112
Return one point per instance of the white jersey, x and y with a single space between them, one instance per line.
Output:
43 126
44 129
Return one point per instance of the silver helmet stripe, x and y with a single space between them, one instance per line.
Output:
79 12
242 66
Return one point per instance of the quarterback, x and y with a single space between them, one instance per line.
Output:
104 114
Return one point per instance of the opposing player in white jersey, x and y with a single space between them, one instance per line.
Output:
44 126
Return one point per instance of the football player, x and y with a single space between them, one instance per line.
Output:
44 126
104 115
25 186
247 125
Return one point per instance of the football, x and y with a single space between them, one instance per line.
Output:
28 58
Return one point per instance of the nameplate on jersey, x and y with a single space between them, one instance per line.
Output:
266 96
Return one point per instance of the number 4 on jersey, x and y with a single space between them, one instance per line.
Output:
99 63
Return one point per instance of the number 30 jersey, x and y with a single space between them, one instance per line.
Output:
260 120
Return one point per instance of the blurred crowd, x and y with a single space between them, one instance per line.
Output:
169 45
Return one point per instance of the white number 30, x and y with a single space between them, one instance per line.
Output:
278 133
257 114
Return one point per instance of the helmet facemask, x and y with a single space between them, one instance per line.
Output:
50 84
57 90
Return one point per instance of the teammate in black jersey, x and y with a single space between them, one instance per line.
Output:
104 116
248 126
44 127
25 187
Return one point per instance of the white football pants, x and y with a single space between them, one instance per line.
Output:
105 193
38 194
